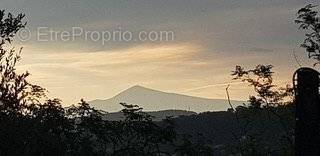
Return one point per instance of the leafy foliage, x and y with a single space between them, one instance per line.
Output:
16 92
309 19
260 78
274 103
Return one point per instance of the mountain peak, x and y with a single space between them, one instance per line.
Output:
154 100
138 88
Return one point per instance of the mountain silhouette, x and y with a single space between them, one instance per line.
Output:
154 100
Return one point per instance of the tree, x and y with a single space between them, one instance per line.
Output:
137 134
309 20
16 93
30 123
269 104
260 78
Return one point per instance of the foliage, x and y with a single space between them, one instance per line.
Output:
260 78
16 92
309 19
269 104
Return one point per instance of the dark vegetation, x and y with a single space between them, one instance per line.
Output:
32 124
156 115
309 20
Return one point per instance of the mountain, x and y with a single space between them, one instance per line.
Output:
153 100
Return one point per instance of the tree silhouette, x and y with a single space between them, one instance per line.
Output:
270 104
260 78
309 20
16 92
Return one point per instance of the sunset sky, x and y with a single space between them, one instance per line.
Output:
211 37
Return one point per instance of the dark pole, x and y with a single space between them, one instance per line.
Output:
307 132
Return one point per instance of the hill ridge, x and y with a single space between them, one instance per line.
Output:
155 100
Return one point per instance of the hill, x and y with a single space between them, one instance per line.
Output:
153 100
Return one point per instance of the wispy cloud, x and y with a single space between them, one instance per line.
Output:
213 85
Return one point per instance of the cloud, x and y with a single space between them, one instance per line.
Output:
213 85
148 64
143 54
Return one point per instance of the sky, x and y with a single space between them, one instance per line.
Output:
208 38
